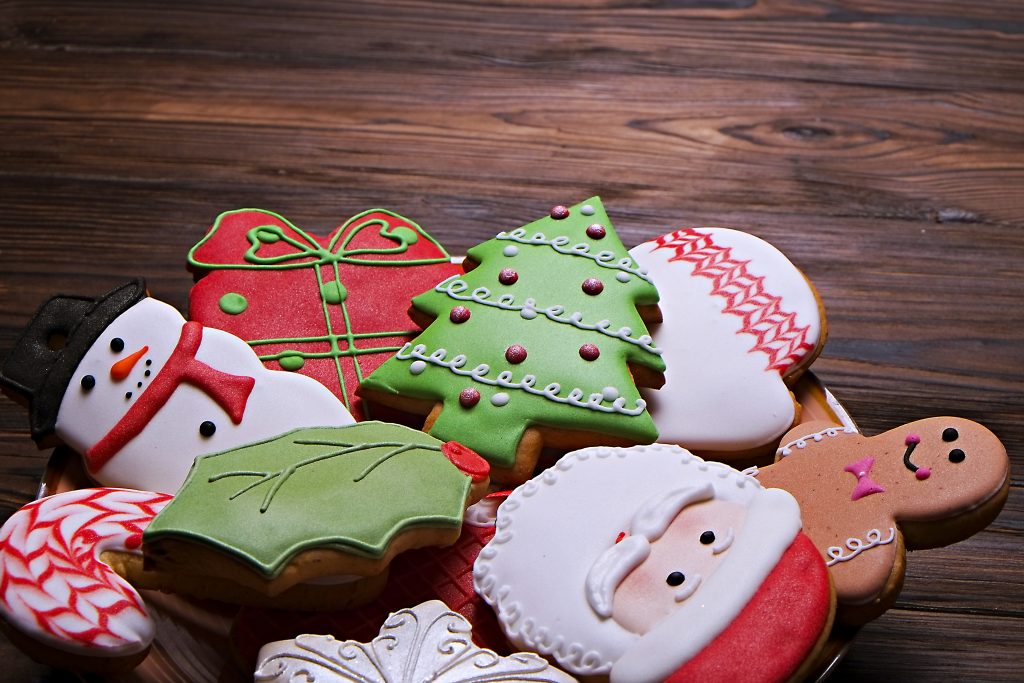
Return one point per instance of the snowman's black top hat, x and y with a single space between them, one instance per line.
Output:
41 365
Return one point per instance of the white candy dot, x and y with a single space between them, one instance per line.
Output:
587 210
499 399
610 393
511 250
417 366
622 277
528 314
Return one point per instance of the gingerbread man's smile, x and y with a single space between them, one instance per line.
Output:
921 473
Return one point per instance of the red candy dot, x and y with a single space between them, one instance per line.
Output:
596 231
467 460
507 276
559 212
515 354
469 397
589 352
593 286
133 542
459 314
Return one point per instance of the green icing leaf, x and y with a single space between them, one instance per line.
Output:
353 488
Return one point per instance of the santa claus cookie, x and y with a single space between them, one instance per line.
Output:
331 308
741 323
428 643
541 342
125 381
866 500
657 566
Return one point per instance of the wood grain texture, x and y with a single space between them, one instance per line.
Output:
879 144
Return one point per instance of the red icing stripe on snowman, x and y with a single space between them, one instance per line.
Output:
763 316
53 585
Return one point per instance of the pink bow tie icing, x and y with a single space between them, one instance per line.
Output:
865 485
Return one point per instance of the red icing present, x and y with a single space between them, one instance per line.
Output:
331 308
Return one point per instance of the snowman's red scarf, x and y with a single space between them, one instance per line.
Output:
230 392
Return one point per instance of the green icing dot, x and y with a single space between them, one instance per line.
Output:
233 303
333 292
404 235
292 363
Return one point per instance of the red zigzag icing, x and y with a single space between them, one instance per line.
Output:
763 316
51 575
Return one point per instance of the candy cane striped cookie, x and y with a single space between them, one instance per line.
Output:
59 598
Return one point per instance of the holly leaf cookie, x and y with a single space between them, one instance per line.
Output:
332 308
740 325
541 341
867 499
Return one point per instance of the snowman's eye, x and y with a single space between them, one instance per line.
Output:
675 579
707 538
207 428
117 345
88 382
956 455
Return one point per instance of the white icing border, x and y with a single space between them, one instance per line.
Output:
856 546
801 442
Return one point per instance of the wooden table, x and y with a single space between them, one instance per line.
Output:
879 144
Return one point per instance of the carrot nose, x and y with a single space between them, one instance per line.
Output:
123 367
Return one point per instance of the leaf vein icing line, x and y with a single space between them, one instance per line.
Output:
454 286
856 546
504 380
605 259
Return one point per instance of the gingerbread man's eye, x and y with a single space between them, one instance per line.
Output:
707 538
675 579
117 345
957 455
950 434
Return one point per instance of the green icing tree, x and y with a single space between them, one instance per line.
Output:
540 331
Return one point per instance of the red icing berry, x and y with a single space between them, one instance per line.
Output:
459 314
133 542
596 231
467 460
469 397
589 352
507 276
593 286
515 354
559 212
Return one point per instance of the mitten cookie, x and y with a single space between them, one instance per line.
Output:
331 308
139 392
648 564
740 324
427 643
541 342
865 500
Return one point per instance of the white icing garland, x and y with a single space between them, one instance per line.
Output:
453 287
504 380
606 259
817 436
856 546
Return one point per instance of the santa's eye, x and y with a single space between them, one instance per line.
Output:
675 579
117 345
950 434
957 455
207 428
88 382
707 538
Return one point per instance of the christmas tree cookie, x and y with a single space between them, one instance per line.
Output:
332 308
541 342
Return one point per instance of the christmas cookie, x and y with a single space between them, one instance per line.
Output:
541 342
276 522
60 600
866 500
657 566
427 643
741 323
139 392
331 308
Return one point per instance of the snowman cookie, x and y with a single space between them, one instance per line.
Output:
740 324
139 392
657 566
865 500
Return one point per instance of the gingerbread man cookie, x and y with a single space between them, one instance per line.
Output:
740 325
865 500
